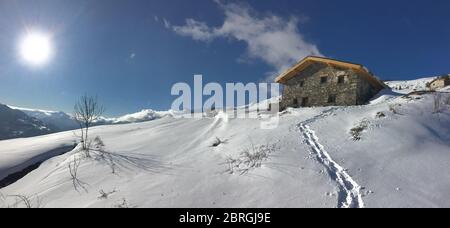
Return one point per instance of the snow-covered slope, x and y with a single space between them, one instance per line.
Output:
171 163
408 86
394 152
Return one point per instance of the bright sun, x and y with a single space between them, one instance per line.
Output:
36 48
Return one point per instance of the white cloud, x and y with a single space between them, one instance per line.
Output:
196 30
166 23
271 38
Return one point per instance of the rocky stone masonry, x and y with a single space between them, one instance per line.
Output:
342 87
440 83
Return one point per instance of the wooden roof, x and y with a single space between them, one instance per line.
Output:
303 64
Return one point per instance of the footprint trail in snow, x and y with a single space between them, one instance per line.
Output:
349 195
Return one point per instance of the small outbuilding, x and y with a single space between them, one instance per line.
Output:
440 82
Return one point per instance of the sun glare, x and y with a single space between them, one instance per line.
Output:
36 48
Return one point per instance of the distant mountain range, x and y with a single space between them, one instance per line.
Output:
142 116
18 122
60 121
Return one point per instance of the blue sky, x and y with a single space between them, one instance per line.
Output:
130 53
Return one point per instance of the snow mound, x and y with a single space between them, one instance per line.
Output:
384 96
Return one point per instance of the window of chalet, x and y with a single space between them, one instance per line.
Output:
323 80
304 101
302 83
295 102
341 79
332 99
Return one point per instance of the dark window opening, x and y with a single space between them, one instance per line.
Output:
323 80
332 99
295 102
304 102
302 83
341 79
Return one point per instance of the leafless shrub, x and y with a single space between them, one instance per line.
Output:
218 142
394 108
124 204
356 132
249 159
105 195
380 115
98 143
25 200
73 169
86 111
97 147
22 201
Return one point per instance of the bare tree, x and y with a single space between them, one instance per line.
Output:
87 110
73 169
